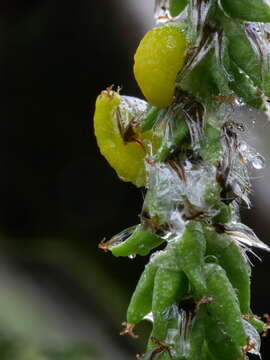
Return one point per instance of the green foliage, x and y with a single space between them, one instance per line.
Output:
197 288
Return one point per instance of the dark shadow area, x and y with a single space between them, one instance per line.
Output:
59 197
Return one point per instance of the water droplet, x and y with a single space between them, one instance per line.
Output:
132 256
161 12
258 162
211 259
243 147
240 127
149 317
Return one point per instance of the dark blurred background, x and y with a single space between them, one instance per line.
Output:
60 296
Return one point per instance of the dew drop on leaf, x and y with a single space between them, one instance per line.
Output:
258 162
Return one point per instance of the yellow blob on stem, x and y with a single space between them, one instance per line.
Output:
126 157
158 59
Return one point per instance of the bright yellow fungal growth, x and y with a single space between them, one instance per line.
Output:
158 59
127 158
